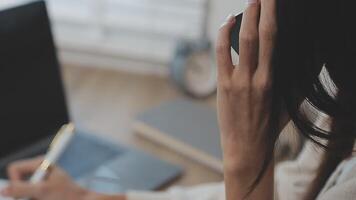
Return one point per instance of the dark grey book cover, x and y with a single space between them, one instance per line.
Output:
188 127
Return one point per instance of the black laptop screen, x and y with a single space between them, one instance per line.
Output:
32 102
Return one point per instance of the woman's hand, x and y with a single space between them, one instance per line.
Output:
57 186
244 90
245 99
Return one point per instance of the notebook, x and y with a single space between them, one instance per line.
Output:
187 127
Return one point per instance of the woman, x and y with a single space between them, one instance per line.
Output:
284 45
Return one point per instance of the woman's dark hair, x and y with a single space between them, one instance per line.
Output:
315 36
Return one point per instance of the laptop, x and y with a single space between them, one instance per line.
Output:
33 107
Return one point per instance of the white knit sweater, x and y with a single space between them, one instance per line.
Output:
292 179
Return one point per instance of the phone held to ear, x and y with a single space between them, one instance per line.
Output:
236 32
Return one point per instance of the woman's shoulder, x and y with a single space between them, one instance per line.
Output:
342 183
292 178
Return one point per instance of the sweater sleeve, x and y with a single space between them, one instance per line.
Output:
211 191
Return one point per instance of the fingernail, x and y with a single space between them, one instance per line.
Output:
222 25
230 18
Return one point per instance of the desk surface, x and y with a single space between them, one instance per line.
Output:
106 102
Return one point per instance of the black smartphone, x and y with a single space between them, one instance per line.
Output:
235 33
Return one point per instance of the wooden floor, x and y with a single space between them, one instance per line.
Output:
105 102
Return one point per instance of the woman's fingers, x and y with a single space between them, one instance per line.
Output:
20 189
267 34
18 169
223 48
249 36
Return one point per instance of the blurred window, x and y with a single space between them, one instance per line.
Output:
139 29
